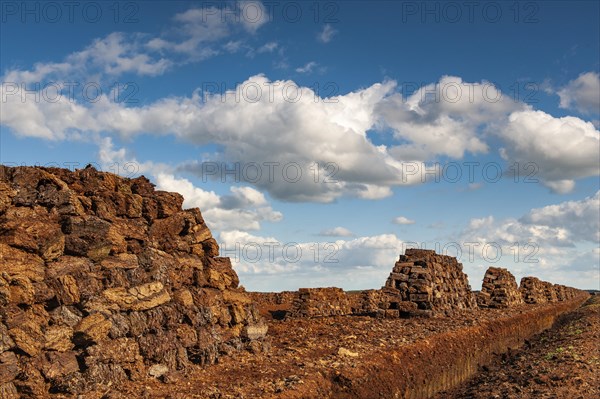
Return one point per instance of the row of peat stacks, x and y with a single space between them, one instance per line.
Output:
423 283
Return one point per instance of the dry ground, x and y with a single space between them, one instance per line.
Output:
309 355
562 362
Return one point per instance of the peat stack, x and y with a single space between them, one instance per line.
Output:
103 279
499 289
533 290
320 302
433 282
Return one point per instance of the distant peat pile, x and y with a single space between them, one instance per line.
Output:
561 292
499 289
103 280
274 298
534 290
549 292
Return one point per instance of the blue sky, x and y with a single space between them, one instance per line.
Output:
470 127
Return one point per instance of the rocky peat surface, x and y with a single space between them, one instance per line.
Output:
109 289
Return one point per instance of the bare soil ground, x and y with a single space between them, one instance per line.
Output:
308 356
562 362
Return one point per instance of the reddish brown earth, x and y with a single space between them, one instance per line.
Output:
562 362
328 357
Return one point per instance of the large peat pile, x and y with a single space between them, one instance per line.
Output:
431 281
104 279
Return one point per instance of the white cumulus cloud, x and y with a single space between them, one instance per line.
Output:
444 118
582 94
556 150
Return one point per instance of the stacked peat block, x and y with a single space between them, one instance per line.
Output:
356 300
273 298
550 292
103 279
499 289
381 303
320 302
367 302
572 293
533 290
561 293
433 282
536 291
